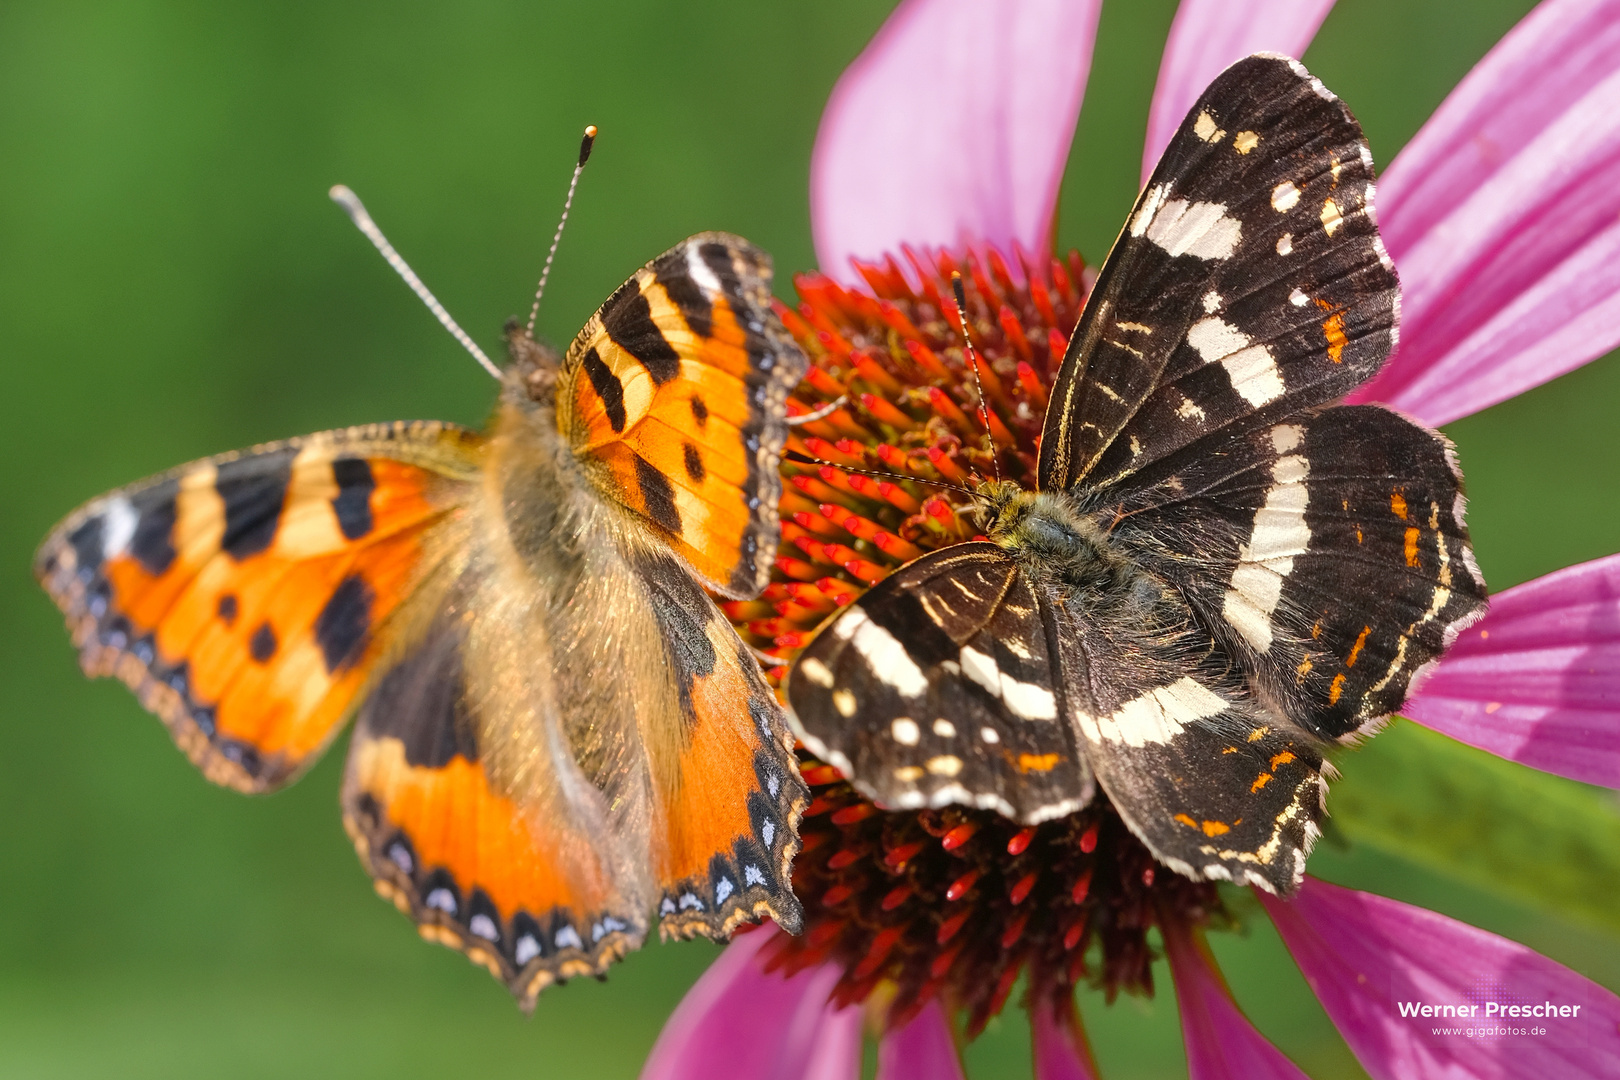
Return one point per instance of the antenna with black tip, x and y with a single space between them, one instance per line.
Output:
973 363
357 213
585 145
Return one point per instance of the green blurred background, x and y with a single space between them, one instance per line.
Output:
173 282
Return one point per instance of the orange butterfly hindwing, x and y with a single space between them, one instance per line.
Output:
522 882
727 782
242 597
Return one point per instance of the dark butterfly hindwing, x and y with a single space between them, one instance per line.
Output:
1249 279
949 664
1327 551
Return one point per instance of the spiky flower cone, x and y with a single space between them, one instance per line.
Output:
954 903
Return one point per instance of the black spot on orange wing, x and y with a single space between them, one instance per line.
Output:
352 504
658 495
227 608
262 646
153 542
342 627
253 487
607 387
694 463
627 317
700 411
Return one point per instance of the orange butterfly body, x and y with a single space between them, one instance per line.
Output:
558 736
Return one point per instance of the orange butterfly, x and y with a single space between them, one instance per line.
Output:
557 731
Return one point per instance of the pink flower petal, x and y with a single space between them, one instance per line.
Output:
952 126
1221 1043
922 1050
1209 36
1503 216
740 1021
1365 956
1537 680
1059 1043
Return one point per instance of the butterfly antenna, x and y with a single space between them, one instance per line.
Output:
820 414
973 362
585 145
357 213
805 459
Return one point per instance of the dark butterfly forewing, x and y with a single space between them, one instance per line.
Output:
1249 279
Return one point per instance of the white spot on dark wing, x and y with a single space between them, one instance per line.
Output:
1205 128
1212 302
441 899
400 856
989 735
483 926
1245 141
1284 197
1251 367
1157 716
888 659
816 672
690 902
945 765
944 728
1285 244
773 784
667 907
767 833
1023 699
1298 299
118 521
908 774
527 949
1278 535
723 890
1200 229
568 938
905 731
1332 218
752 875
700 272
844 702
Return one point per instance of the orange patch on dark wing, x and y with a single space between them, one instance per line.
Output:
1333 328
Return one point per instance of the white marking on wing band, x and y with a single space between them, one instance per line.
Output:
1284 197
888 659
1278 536
1202 229
1251 367
816 672
118 521
700 271
1158 715
1027 700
